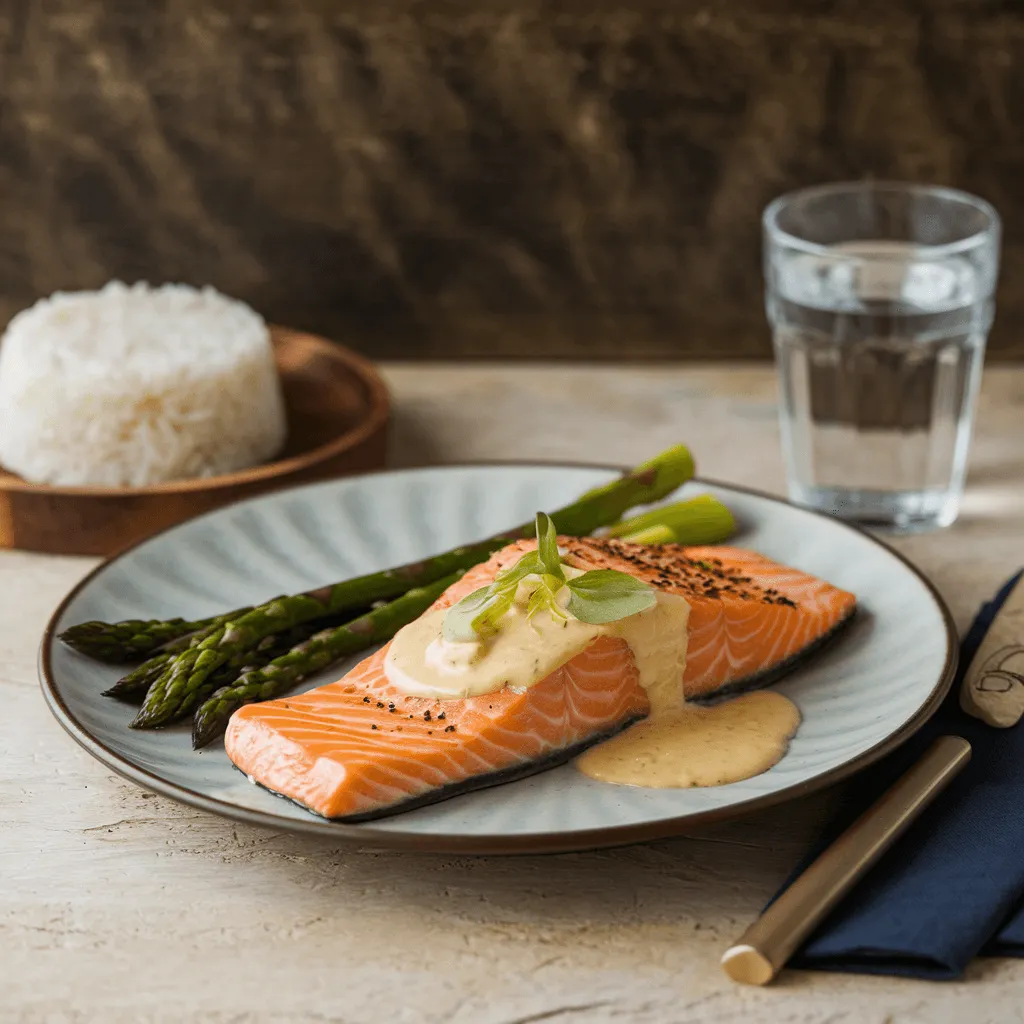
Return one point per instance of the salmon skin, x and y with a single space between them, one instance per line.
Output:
359 749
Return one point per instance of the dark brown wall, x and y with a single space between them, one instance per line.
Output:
509 177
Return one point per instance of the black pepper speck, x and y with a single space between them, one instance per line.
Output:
668 566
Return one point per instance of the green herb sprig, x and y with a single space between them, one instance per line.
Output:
596 597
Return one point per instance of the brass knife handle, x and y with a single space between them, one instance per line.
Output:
772 939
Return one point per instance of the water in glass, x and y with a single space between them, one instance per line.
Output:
879 359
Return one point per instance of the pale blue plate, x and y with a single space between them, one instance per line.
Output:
865 693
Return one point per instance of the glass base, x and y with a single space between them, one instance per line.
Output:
898 511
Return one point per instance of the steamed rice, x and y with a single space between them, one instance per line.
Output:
132 386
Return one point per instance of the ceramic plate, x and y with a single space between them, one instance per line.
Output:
866 692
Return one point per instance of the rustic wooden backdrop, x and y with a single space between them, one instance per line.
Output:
485 177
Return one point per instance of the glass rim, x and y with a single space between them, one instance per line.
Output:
778 235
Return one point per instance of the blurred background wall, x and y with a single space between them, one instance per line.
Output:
515 178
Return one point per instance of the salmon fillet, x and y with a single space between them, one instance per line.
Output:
751 618
358 748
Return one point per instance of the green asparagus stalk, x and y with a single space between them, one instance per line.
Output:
649 482
269 648
700 520
319 652
133 686
132 640
183 643
175 692
121 643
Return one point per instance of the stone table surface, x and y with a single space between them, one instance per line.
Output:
119 905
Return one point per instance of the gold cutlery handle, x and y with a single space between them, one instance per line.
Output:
769 942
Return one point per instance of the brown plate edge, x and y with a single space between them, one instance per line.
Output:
534 843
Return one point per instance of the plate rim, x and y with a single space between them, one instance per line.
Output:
352 835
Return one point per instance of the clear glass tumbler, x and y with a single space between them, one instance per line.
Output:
880 298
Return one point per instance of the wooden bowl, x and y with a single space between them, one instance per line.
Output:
338 411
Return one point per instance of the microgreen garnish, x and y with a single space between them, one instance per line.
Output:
596 597
547 546
477 614
544 597
604 595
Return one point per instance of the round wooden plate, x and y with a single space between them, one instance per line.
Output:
338 410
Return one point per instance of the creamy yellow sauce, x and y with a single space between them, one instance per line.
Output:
679 745
524 651
422 662
698 746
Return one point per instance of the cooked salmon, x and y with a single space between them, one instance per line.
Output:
358 748
751 618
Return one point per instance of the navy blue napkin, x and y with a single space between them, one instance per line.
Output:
953 886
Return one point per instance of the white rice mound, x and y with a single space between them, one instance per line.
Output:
130 386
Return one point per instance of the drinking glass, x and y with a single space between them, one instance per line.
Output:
880 298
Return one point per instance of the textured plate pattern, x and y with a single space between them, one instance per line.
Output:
872 686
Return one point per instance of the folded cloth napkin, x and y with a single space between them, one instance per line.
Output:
953 885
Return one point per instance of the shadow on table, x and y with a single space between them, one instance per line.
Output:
723 870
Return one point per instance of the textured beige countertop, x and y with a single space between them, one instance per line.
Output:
118 905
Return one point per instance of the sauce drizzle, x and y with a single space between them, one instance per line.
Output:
698 745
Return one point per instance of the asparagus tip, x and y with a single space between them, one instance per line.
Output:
147 718
678 459
203 734
700 520
126 696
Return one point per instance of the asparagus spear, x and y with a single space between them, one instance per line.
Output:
269 648
121 643
183 643
700 520
318 652
175 691
131 640
136 683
